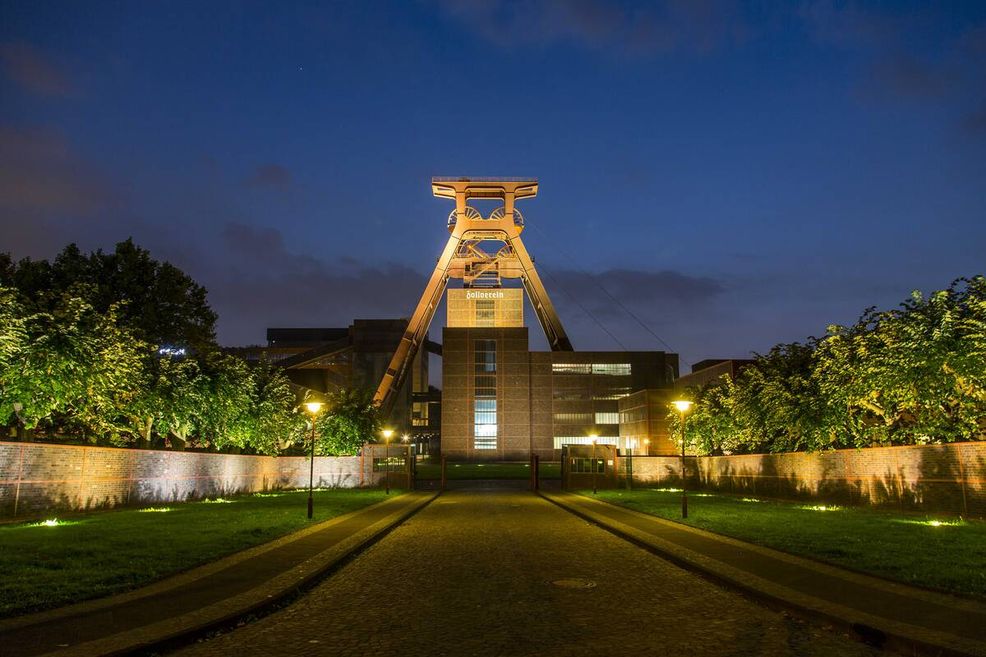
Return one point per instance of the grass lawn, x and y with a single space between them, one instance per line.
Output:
89 556
501 470
935 551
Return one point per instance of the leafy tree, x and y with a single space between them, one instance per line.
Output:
275 422
915 374
162 304
350 420
225 411
76 368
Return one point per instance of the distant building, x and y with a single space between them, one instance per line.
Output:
501 401
710 370
325 359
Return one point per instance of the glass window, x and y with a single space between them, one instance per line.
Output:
484 400
584 440
611 369
585 466
607 418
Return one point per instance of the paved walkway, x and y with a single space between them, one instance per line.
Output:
902 616
499 572
206 596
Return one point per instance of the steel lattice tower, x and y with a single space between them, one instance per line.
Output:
464 258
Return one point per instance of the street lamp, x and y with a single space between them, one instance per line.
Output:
313 408
683 406
593 436
387 434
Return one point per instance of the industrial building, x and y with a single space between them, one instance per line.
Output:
498 400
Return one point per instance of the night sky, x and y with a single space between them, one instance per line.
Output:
736 174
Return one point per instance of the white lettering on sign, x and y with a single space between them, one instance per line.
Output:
484 294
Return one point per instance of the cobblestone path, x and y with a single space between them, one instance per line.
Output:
472 574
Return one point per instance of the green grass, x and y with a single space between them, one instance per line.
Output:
500 470
89 556
936 552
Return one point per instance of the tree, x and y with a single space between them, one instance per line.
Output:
75 368
275 422
158 301
351 419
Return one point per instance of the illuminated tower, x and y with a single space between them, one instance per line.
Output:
467 256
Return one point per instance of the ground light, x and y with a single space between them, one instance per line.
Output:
313 408
683 406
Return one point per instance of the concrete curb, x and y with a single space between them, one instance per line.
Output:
890 633
182 629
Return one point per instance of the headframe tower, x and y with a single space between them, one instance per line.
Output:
464 258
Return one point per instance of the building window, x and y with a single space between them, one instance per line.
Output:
611 369
484 400
585 466
573 418
571 368
584 440
607 418
485 312
389 464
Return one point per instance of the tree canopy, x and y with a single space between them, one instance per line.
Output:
915 374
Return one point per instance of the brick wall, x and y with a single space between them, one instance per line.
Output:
942 478
38 477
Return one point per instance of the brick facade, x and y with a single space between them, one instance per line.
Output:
38 477
943 478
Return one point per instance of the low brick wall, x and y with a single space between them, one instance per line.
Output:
39 477
935 478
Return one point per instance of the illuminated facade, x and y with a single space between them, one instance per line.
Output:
499 400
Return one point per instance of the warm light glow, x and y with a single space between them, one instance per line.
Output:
218 500
52 522
405 438
683 405
156 509
387 433
821 507
313 407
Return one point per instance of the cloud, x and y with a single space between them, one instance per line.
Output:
636 27
29 68
975 122
260 283
40 174
904 76
639 290
271 176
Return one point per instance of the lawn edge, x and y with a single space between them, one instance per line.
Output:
897 636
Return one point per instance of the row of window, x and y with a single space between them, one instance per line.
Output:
609 369
585 440
587 418
583 392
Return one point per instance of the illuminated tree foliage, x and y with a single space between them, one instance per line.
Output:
349 420
157 301
916 374
80 358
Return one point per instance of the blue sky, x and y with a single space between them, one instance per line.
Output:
737 174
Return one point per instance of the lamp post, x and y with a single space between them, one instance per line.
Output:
409 464
387 434
313 409
593 436
683 406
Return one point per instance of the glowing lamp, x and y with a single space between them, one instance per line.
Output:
313 407
683 405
